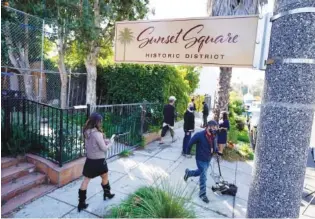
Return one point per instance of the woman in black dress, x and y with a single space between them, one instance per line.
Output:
95 165
224 126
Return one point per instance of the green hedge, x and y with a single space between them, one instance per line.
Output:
243 136
134 83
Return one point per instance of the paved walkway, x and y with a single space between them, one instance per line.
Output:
150 167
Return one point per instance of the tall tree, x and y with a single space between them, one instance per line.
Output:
228 8
191 76
25 44
60 16
96 29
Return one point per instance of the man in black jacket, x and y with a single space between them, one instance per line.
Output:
189 126
205 114
169 119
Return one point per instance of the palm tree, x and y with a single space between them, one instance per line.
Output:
229 8
125 37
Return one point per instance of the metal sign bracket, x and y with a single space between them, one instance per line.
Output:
262 41
290 61
293 11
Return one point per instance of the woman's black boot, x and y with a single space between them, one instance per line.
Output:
82 197
107 193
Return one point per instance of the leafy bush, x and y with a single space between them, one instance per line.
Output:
18 144
142 142
236 104
125 153
237 121
154 128
151 202
242 153
133 83
246 151
154 116
237 107
231 154
243 136
233 132
240 123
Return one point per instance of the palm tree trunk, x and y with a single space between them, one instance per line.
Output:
222 97
228 8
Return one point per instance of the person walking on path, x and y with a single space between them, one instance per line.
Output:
224 126
189 126
206 145
205 114
169 119
95 165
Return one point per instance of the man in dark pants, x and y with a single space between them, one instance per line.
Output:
206 145
205 113
189 126
169 119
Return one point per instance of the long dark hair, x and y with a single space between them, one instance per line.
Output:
94 121
225 116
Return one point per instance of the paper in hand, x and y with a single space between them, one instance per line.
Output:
112 139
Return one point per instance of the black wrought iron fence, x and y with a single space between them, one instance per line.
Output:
56 134
50 132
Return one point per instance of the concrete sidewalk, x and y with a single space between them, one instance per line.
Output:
150 167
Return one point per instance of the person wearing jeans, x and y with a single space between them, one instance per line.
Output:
189 126
206 145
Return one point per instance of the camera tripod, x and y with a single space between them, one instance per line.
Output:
310 202
313 192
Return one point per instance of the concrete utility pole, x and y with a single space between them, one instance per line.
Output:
287 113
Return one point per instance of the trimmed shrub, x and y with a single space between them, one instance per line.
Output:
243 136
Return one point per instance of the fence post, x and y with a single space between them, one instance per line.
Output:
7 117
23 114
61 137
143 113
88 111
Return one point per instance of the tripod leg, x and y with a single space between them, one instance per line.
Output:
219 166
308 204
310 194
